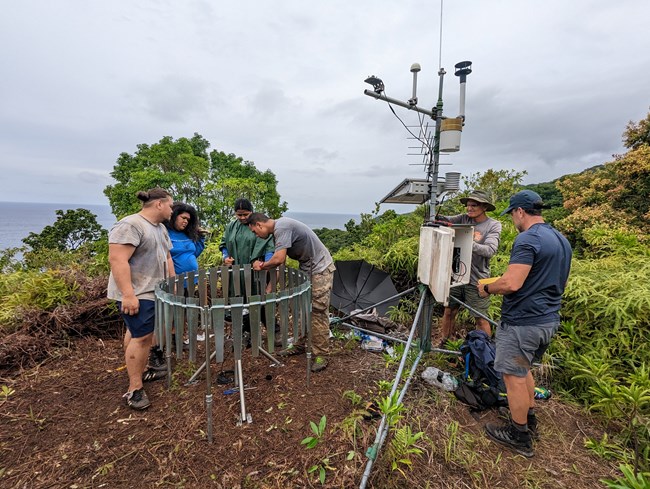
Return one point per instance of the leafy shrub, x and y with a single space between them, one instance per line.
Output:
32 289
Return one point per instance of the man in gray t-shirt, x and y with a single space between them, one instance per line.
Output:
487 234
297 241
138 252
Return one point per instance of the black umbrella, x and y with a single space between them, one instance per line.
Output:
358 285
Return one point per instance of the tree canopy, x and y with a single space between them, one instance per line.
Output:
211 182
71 230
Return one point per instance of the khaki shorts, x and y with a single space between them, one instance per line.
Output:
468 294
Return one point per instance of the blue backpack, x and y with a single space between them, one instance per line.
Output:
481 387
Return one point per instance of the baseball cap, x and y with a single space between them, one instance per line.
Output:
526 199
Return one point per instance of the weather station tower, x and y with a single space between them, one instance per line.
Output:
445 253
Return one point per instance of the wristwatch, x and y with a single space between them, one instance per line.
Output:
485 289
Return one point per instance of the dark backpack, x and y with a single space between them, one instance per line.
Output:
481 387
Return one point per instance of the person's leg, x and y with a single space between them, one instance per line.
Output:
320 324
514 363
479 305
136 355
448 323
518 398
530 386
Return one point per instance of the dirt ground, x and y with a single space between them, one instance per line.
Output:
65 426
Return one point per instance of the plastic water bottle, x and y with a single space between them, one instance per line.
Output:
440 379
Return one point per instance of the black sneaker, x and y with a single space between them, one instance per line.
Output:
150 375
509 436
137 399
157 360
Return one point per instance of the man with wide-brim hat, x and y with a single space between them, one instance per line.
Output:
480 197
487 234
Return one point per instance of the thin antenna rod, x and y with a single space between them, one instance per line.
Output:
440 41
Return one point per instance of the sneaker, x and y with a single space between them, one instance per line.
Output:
509 436
137 399
150 375
157 360
320 363
291 350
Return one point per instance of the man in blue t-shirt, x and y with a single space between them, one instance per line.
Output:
532 289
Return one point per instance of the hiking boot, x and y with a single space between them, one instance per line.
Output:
531 421
150 375
509 436
291 350
320 363
532 427
157 360
137 399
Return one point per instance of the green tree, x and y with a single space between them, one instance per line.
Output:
499 184
71 230
637 133
211 182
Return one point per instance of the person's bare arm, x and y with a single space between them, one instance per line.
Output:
278 258
511 281
118 257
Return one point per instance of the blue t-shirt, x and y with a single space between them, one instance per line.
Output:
185 251
538 300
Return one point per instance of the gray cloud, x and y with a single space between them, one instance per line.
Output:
281 84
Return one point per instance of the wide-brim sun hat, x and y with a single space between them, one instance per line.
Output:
481 197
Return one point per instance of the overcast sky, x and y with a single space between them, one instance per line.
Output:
281 84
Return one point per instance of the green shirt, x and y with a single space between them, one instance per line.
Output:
243 245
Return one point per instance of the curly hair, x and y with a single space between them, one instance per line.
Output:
192 229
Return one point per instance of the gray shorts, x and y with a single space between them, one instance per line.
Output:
519 346
469 295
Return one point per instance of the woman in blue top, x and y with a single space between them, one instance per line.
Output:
188 239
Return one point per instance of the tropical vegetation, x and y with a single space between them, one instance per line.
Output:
600 357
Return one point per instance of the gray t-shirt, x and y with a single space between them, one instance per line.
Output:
487 235
149 260
301 244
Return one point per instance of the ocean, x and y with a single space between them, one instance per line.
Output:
18 219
